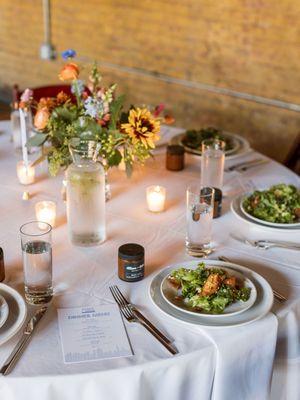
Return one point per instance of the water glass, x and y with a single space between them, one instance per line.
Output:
212 163
37 261
199 215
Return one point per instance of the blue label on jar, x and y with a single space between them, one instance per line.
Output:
134 271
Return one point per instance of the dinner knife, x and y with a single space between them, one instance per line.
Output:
246 164
20 346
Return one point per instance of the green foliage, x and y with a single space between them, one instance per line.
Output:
37 140
115 109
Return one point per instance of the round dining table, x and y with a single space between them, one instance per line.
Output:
257 361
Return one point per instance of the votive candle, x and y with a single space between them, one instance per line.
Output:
156 197
26 173
45 211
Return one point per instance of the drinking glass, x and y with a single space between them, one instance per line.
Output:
212 163
199 215
37 261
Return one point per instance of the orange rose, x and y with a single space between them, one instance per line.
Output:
69 72
41 118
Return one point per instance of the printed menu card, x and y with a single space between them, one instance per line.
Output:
93 333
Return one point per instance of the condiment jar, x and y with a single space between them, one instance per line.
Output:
131 262
175 157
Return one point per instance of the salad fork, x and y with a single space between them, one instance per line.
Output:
131 314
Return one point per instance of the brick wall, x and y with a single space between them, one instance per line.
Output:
167 51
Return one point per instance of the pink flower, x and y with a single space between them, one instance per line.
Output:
158 109
26 95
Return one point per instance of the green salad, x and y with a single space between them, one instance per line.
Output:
208 290
194 138
279 204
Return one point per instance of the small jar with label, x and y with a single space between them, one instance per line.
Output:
175 158
131 262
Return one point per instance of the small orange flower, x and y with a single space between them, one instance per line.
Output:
22 104
168 119
69 71
47 102
41 118
103 121
62 97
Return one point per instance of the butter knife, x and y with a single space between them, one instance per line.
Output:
20 346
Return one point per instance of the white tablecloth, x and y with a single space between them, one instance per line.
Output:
234 363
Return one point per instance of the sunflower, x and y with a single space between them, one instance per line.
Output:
142 127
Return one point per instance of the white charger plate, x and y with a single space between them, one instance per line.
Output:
260 308
17 313
235 207
170 294
4 310
261 221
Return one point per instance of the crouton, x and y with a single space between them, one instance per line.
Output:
211 285
232 281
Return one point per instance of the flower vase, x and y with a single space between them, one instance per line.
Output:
85 195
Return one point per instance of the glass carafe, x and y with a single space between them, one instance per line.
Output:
85 194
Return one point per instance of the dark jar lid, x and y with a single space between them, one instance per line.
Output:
131 251
175 149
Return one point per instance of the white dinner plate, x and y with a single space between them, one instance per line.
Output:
242 146
235 207
17 313
4 310
261 221
170 294
260 308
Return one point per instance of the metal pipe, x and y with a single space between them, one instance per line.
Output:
47 21
203 86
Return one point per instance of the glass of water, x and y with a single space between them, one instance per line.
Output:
37 261
199 215
212 163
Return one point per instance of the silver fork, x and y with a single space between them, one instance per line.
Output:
266 244
278 296
129 312
138 314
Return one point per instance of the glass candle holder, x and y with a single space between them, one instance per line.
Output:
37 261
45 211
156 198
25 173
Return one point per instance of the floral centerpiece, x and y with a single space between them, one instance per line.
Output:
96 113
